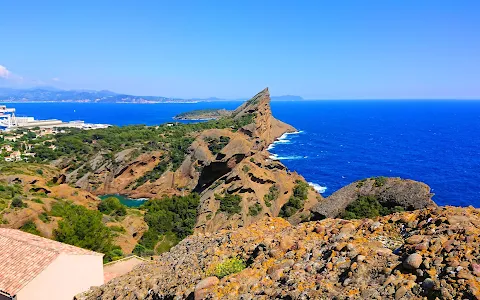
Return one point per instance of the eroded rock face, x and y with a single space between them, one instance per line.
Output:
406 193
241 167
410 255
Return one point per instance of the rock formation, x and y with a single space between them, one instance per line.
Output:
240 167
425 254
390 192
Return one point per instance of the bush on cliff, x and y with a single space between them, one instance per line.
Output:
83 228
272 195
170 220
30 227
230 203
255 209
112 206
368 207
296 201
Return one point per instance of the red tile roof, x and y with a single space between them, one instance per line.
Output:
23 256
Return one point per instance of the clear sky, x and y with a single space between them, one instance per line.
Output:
230 49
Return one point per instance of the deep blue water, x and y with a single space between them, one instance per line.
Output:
437 142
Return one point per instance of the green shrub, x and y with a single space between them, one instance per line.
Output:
112 206
216 145
227 267
170 220
380 181
117 229
245 169
36 200
115 254
255 209
39 171
296 201
140 250
230 203
83 228
368 207
44 217
17 203
272 195
30 227
360 183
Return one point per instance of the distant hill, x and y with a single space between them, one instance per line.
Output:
56 95
52 94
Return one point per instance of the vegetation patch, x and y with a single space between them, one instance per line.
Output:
215 145
112 206
255 209
360 183
170 220
116 228
296 201
152 175
84 228
380 181
17 202
44 217
368 207
30 227
273 193
37 200
227 267
230 203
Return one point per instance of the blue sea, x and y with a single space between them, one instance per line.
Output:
437 142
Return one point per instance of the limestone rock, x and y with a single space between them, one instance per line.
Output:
408 194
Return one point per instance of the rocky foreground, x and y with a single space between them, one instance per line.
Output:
424 254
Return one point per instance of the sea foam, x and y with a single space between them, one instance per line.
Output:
318 188
291 157
283 139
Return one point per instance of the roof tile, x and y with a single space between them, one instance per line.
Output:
23 256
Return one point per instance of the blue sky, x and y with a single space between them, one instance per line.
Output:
232 49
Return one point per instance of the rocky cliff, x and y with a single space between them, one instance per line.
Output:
220 163
425 254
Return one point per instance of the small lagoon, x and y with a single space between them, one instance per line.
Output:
129 202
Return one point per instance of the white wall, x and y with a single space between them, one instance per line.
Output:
64 278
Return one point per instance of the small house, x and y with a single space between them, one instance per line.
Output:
32 267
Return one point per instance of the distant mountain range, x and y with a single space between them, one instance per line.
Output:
56 95
51 94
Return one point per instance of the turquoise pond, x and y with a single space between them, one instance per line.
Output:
129 202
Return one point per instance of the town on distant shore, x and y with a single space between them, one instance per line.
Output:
51 94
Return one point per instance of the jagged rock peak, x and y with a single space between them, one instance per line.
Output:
249 106
264 127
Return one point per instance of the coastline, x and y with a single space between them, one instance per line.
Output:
283 139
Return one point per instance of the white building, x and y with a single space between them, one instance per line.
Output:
36 268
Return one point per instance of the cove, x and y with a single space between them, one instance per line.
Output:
129 202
